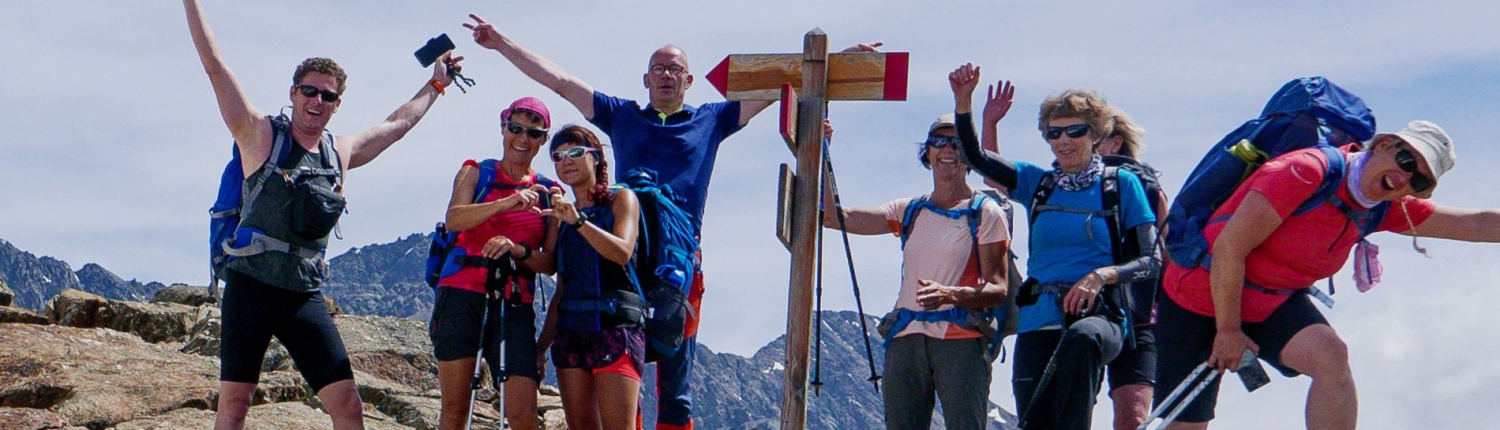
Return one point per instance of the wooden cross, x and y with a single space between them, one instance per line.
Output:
819 77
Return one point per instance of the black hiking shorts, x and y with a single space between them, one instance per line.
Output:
254 311
459 325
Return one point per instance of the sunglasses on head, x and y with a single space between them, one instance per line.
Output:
941 141
1074 131
534 133
1408 162
573 153
310 91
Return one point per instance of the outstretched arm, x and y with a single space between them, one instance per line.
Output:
865 221
1447 222
547 73
989 164
362 148
250 128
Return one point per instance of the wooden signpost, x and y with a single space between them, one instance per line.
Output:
805 83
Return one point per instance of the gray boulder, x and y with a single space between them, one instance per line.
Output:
185 294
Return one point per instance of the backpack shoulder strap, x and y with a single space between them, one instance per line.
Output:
488 170
331 160
912 209
976 212
1333 176
1039 198
1110 193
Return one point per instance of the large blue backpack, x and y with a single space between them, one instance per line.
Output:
440 256
1305 113
666 261
225 214
993 322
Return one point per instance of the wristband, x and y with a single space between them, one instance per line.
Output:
577 225
437 86
527 254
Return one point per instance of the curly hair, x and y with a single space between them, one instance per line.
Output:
1087 105
320 65
580 135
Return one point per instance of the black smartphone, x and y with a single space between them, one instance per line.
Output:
434 48
1251 373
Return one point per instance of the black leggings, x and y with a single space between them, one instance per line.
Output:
254 311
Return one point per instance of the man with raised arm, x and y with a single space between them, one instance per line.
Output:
680 142
277 265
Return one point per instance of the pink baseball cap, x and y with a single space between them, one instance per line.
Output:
531 104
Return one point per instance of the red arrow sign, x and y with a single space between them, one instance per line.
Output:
851 76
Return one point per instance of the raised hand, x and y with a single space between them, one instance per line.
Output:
997 102
964 79
865 47
485 34
445 62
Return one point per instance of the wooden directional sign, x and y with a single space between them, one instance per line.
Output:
851 75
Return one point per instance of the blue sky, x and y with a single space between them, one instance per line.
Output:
112 144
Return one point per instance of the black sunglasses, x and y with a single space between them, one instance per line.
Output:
941 141
1408 162
534 133
1074 131
571 153
310 91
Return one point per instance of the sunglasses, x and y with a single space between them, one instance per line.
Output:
310 91
533 133
942 141
1408 162
573 153
674 70
1074 131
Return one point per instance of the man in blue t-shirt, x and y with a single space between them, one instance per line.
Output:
678 141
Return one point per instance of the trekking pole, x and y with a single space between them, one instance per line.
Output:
838 211
1171 403
498 272
817 379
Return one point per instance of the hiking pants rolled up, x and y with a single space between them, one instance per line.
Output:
917 367
1067 402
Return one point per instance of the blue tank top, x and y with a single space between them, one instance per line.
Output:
584 275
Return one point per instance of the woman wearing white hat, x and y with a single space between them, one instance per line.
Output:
1282 252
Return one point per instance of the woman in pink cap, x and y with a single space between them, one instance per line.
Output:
488 280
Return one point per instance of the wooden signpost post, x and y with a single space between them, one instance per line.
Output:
805 83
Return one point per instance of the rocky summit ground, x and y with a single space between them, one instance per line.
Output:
87 362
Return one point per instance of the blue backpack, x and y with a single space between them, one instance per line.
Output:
441 260
666 261
1305 113
993 322
225 214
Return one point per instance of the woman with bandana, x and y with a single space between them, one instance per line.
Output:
1073 309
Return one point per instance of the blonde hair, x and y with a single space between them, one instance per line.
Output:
1087 105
